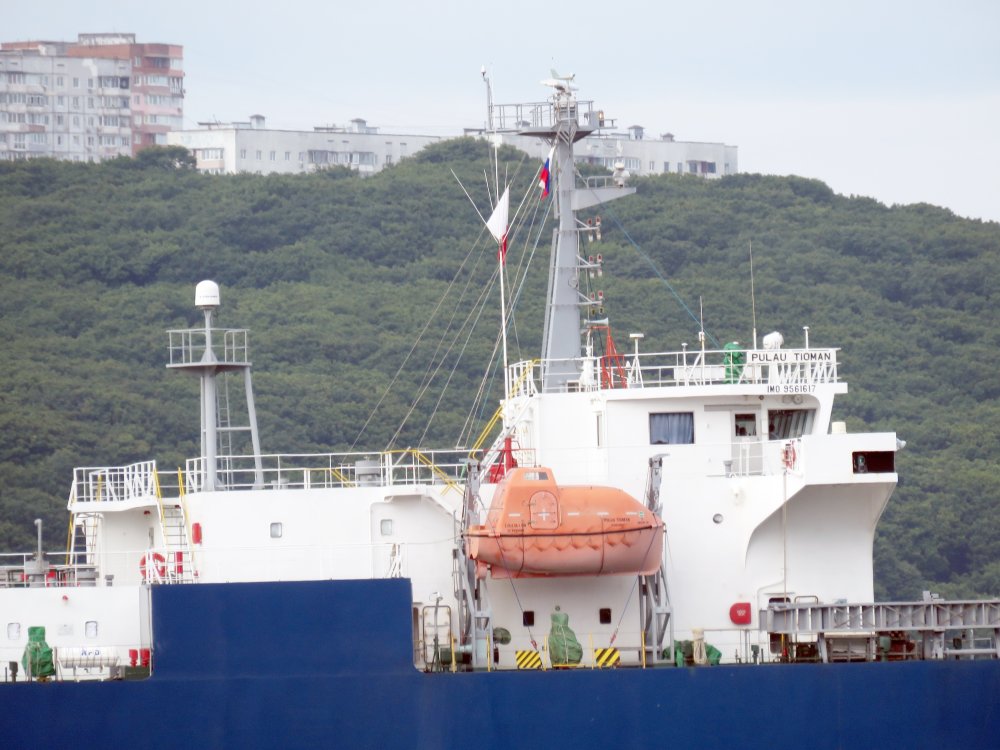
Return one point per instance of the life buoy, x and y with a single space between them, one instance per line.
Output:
789 456
157 562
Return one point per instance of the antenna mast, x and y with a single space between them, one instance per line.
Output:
500 232
753 298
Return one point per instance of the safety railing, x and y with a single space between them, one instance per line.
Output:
188 346
113 484
332 470
21 570
784 371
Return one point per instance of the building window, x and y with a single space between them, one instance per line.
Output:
288 156
675 428
90 628
76 83
385 527
277 530
13 631
258 154
243 153
272 154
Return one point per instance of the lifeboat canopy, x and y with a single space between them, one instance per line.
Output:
536 528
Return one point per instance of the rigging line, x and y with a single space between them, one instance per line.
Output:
521 219
478 309
416 342
432 370
485 384
490 375
429 372
659 275
479 404
420 336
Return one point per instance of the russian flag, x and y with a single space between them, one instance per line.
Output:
545 176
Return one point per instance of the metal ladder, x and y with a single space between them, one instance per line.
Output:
179 563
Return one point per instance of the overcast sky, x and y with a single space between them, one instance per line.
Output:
894 99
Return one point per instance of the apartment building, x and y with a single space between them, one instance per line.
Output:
250 146
100 97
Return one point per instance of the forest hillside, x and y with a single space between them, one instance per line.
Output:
366 297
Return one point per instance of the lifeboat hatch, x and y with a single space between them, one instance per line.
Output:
544 508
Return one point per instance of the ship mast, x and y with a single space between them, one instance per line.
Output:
561 122
497 225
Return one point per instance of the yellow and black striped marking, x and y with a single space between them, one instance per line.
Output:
528 660
607 657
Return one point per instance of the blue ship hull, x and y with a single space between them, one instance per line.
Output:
329 664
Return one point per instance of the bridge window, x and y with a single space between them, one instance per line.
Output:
671 429
784 424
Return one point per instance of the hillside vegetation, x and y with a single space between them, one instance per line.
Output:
337 277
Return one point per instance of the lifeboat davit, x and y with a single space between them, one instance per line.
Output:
536 528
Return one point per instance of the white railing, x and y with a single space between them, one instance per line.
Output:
783 369
113 484
229 345
19 570
330 470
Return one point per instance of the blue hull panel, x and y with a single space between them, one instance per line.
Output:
328 664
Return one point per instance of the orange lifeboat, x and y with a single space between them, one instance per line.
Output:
536 528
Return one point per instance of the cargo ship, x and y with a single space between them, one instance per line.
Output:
643 547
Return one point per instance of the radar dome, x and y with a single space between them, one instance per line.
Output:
773 340
206 294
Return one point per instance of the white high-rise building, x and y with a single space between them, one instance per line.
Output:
100 97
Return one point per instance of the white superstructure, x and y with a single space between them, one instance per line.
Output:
763 498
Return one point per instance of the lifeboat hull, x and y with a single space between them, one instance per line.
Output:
635 551
536 528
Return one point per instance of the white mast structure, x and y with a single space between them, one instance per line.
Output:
561 122
498 225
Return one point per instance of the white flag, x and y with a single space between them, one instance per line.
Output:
497 223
